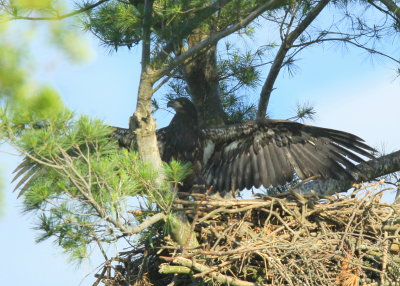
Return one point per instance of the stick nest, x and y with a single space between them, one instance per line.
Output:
288 239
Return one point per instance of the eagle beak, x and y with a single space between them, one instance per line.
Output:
170 103
174 104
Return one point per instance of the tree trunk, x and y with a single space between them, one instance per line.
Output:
202 79
143 125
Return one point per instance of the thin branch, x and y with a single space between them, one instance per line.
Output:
60 17
165 80
386 12
392 7
146 223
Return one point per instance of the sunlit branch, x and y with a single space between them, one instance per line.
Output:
60 17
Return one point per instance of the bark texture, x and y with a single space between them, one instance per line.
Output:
202 79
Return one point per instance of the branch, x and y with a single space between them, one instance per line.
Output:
60 17
392 7
363 172
280 56
146 224
216 37
224 279
350 39
165 268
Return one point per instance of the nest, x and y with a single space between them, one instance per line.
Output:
287 239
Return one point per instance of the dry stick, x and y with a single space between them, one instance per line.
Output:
280 219
221 236
222 203
213 269
217 276
384 258
357 207
101 276
195 219
211 214
343 208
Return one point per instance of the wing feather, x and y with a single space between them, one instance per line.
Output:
268 152
254 169
269 148
247 177
262 168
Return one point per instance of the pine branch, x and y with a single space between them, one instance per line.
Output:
188 29
216 37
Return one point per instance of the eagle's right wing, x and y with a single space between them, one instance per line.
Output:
268 152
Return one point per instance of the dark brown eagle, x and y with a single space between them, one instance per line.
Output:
260 152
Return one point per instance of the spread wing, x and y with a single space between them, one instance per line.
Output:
268 152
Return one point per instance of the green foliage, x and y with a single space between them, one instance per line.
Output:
32 4
115 24
11 75
81 180
82 184
304 111
118 23
176 172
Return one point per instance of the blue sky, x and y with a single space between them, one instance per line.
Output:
349 93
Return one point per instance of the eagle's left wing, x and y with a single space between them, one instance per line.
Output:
268 152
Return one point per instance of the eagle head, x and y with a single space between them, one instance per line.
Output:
182 105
